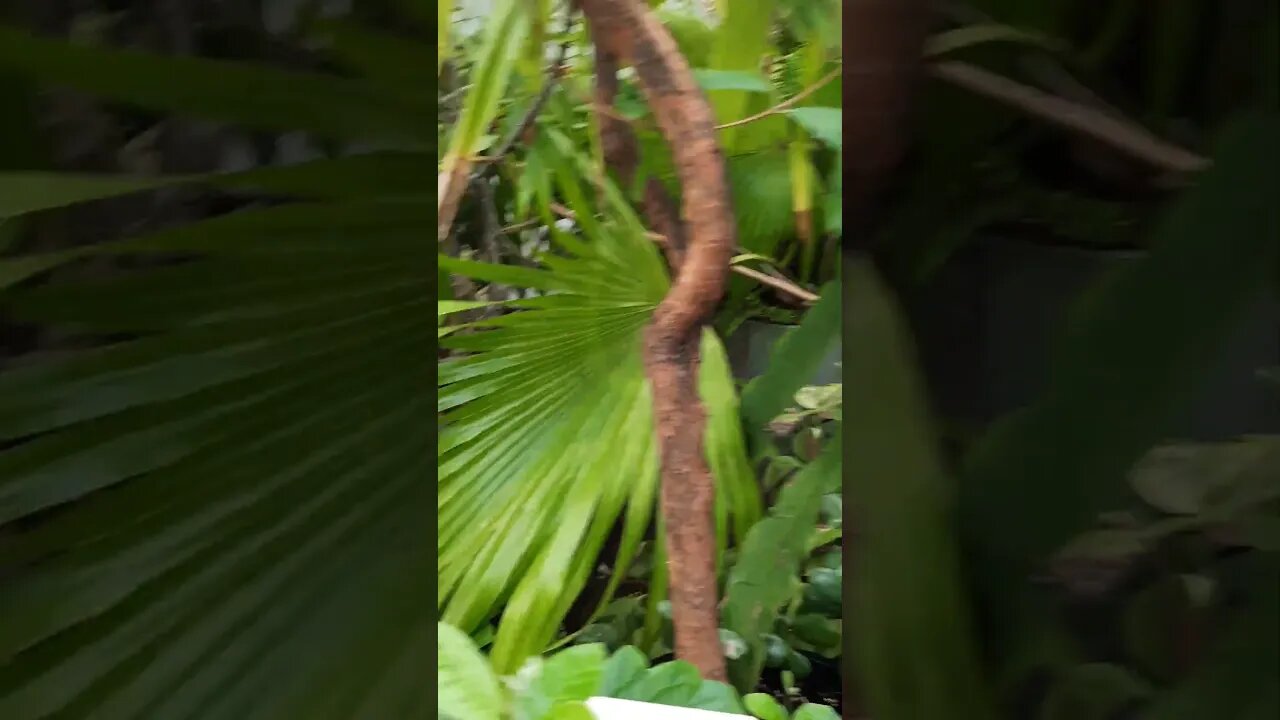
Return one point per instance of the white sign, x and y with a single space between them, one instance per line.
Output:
614 709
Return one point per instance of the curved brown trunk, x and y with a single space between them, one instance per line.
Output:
629 32
622 157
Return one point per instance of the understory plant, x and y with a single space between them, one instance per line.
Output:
557 687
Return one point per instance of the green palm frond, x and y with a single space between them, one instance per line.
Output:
216 509
192 510
546 428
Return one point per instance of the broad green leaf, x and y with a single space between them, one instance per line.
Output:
717 697
910 600
466 687
764 707
621 670
252 95
572 674
823 123
774 549
569 676
673 683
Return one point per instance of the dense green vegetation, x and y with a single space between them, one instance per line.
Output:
213 484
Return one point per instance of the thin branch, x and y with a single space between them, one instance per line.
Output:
786 104
1122 135
517 227
777 283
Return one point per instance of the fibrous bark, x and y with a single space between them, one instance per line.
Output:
626 30
622 157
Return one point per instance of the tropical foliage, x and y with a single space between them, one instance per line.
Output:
559 687
503 449
212 498
213 493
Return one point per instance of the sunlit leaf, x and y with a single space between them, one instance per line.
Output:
466 687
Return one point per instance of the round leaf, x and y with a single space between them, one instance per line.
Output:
764 707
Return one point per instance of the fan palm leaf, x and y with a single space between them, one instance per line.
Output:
216 508
187 501
546 437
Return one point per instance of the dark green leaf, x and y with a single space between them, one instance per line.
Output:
252 95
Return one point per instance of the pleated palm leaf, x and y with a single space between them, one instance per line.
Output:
219 509
547 437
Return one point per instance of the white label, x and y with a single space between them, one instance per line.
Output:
614 709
